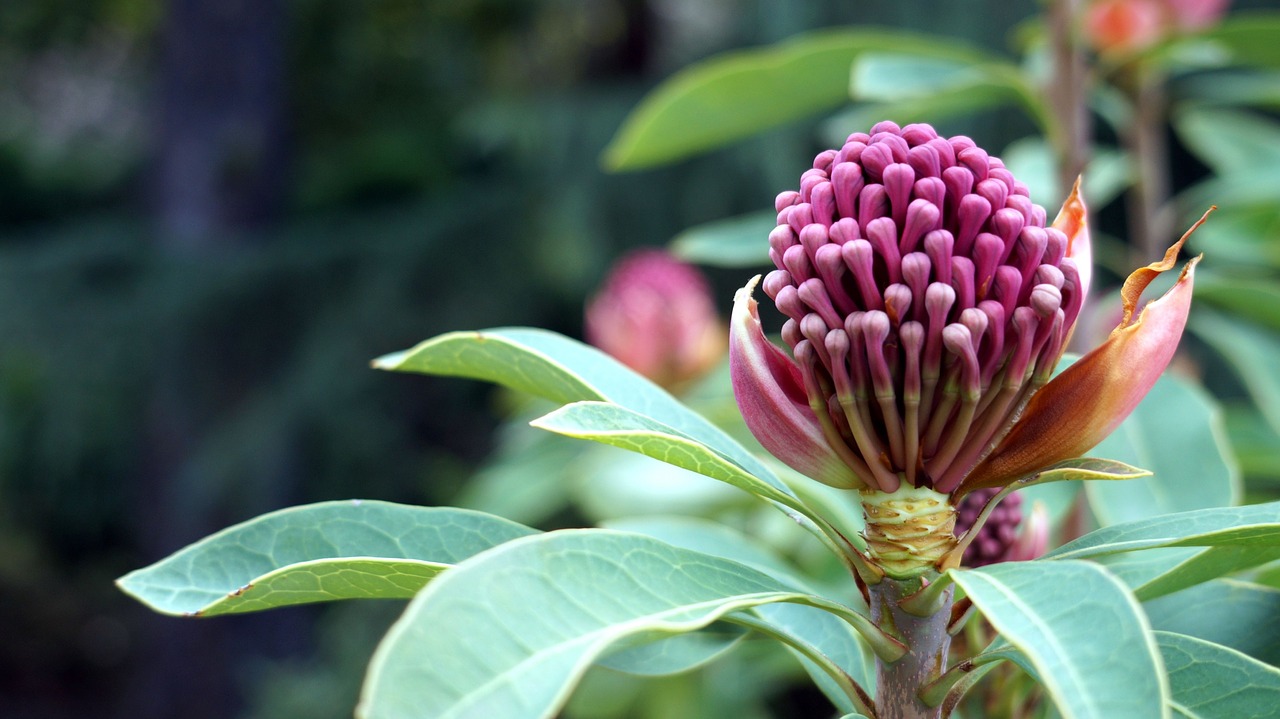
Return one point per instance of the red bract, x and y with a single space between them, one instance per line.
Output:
928 301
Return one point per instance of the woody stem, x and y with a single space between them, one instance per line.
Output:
898 684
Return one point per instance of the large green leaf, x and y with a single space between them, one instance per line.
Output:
822 631
1240 615
734 242
509 632
1072 620
553 366
1255 299
942 83
1250 38
1229 141
1210 681
1253 525
1177 433
1256 444
675 654
830 636
737 94
355 549
708 537
1034 162
1251 351
1205 565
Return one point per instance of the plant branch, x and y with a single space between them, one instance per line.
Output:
1067 91
898 683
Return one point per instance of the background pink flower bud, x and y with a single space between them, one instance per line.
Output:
655 314
1128 25
1189 15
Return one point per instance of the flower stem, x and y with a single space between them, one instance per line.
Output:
899 683
1068 90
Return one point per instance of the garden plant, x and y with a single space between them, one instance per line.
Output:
926 303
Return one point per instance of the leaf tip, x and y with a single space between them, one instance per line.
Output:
388 361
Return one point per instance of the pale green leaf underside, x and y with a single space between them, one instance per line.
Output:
355 549
1081 631
620 427
509 632
1209 681
1253 525
675 654
1235 614
563 370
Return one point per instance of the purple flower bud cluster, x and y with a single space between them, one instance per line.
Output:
926 300
996 538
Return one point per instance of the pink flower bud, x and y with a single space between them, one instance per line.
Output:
926 314
1124 25
655 314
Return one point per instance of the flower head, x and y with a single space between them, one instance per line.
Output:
655 314
927 301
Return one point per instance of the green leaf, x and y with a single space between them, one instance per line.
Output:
1205 565
1032 161
735 242
510 631
1256 300
1071 620
675 654
553 366
1256 444
734 95
620 427
932 82
357 549
1250 38
1229 141
1209 681
708 537
1235 614
1251 351
1254 525
1084 469
833 638
1177 433
524 477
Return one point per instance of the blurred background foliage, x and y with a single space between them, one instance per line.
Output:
212 215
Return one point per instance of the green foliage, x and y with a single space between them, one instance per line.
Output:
522 617
516 624
740 94
1055 614
1208 680
1177 433
317 553
508 633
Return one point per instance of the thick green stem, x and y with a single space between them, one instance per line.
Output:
899 683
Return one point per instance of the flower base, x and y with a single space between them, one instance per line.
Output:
908 531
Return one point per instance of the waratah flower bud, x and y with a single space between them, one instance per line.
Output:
655 314
928 301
